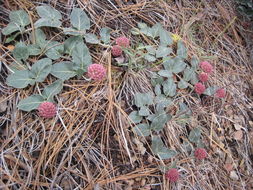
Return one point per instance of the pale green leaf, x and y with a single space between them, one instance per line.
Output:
163 51
160 150
10 28
48 12
195 135
156 30
34 49
105 35
135 117
19 79
81 56
50 91
158 89
21 51
18 20
194 79
63 70
211 90
73 32
91 38
149 58
161 103
70 44
46 22
144 111
182 84
30 103
40 38
49 17
54 50
151 50
79 19
159 121
194 62
142 129
188 74
142 99
181 50
175 65
41 69
165 73
169 87
19 17
165 37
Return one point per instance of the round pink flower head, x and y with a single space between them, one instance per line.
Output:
123 41
47 110
220 93
199 88
206 67
96 71
200 153
203 77
116 51
172 175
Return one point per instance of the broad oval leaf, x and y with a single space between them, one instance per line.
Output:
150 58
47 22
188 74
48 12
21 52
142 99
135 117
34 49
91 38
142 129
105 35
159 121
10 28
41 69
79 19
50 91
211 90
182 84
81 56
181 50
165 73
160 150
165 37
19 79
163 51
169 87
19 17
49 17
40 38
63 70
195 135
54 50
194 62
30 103
144 111
70 44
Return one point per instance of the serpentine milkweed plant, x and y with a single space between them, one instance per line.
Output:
61 59
178 74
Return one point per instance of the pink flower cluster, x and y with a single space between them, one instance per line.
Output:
47 110
120 42
172 175
199 87
200 153
96 72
